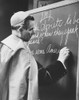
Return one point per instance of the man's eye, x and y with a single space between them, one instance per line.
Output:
30 29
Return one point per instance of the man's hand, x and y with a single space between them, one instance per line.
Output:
63 54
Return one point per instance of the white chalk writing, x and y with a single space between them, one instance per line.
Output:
75 19
49 49
51 26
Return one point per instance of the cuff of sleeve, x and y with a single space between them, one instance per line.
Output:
63 64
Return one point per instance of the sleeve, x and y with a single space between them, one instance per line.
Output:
21 62
51 74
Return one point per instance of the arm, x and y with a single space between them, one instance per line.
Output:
53 72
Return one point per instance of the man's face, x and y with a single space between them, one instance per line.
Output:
27 34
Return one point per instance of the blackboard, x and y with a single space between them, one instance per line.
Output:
57 27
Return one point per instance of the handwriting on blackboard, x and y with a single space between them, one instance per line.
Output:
49 26
49 49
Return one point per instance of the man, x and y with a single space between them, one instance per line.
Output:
19 73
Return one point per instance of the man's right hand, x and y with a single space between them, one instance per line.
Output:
63 54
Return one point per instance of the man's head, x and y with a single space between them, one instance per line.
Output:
25 23
28 28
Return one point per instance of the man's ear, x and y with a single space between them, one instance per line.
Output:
20 28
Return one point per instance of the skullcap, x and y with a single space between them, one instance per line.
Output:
18 17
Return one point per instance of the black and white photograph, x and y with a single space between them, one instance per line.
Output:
39 49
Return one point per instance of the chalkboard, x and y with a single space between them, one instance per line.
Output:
57 27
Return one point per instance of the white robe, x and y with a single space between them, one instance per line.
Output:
15 60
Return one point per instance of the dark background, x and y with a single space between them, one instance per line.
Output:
7 8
